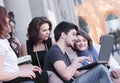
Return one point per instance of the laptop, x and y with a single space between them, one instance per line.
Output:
107 42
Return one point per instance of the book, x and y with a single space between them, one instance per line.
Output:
24 59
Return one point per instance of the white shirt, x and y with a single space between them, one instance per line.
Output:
10 62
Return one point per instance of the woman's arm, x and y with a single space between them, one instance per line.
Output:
24 50
6 76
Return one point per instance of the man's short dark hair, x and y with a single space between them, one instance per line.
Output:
63 27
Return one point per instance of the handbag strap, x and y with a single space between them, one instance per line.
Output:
37 59
36 53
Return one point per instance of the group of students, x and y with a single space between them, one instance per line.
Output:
51 63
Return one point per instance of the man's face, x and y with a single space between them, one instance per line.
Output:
71 38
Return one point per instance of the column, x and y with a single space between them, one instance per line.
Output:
23 16
1 3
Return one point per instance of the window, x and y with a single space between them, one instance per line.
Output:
77 2
112 21
83 25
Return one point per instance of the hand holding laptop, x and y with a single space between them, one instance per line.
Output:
85 58
90 59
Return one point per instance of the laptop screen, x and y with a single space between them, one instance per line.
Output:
107 42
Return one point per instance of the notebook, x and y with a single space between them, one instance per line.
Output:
107 42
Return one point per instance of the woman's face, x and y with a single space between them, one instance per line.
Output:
81 43
6 29
44 31
12 26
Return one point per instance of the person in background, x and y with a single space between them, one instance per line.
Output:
9 69
115 41
14 41
39 42
57 60
84 47
11 15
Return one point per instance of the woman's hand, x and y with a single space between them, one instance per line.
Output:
107 63
36 68
82 58
26 73
16 41
115 73
89 58
29 72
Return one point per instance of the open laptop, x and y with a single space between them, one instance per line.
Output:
107 42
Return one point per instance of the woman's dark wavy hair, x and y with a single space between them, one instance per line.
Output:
34 27
3 22
11 15
87 37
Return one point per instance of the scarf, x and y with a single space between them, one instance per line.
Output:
86 53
